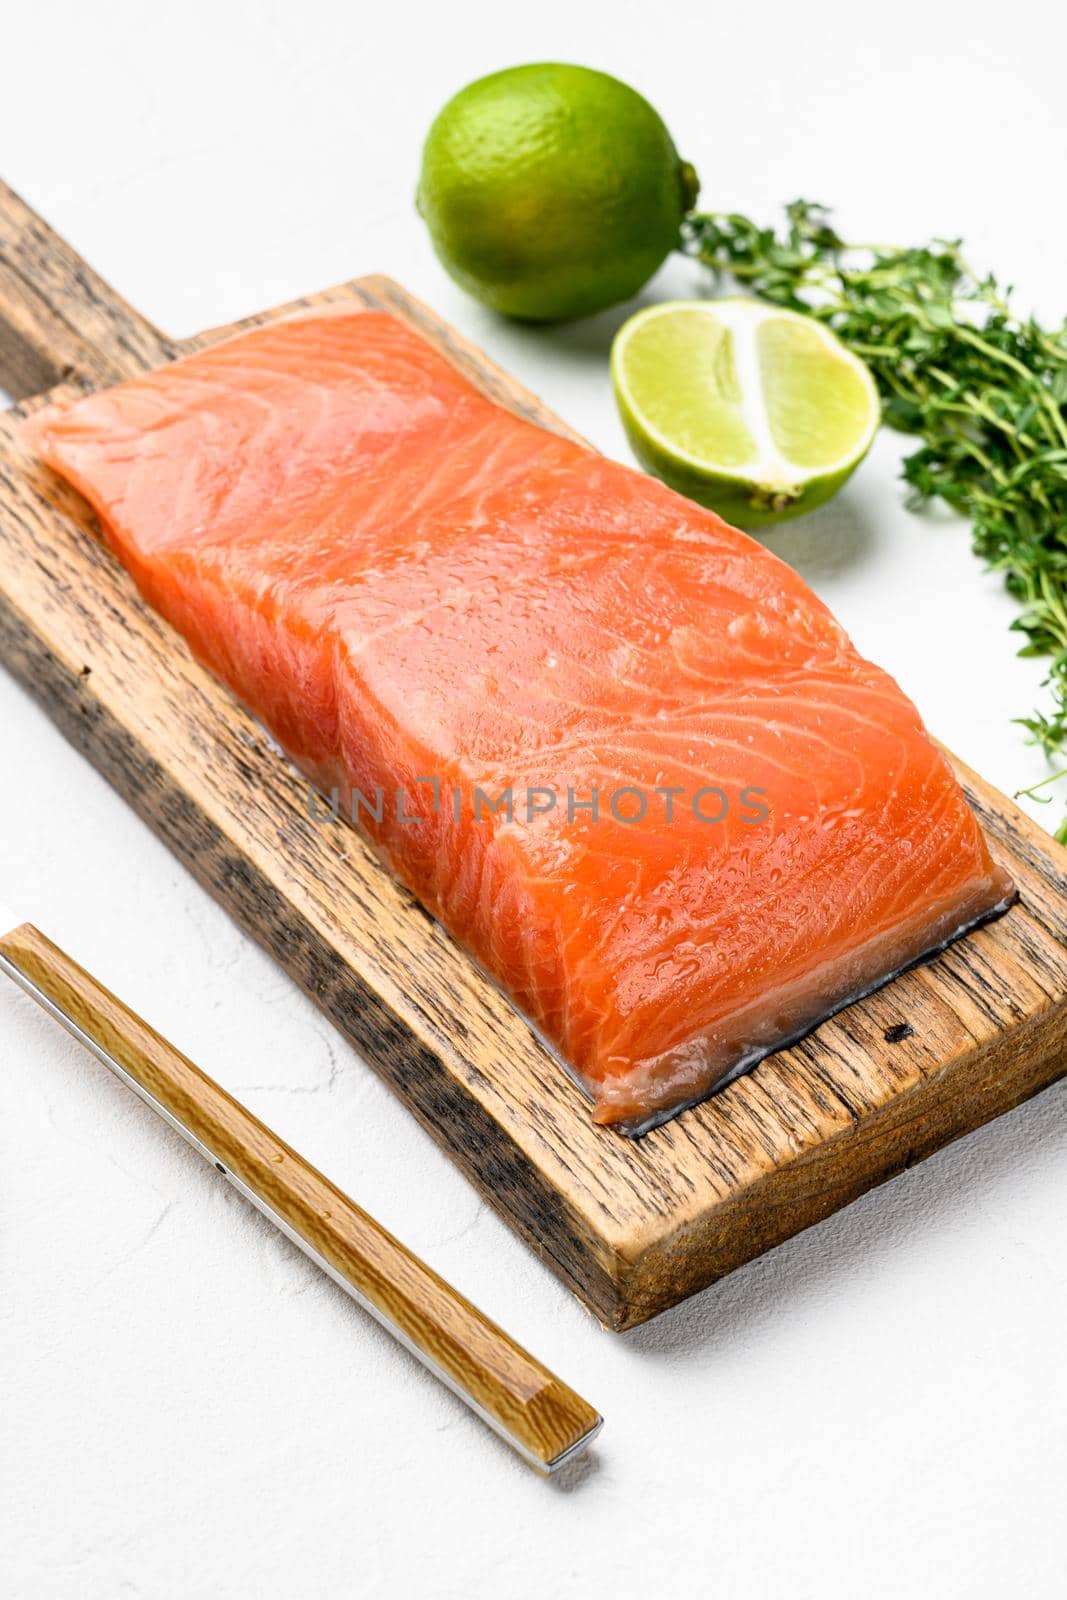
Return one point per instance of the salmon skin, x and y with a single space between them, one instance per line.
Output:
420 594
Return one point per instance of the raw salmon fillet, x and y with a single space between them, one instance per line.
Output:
405 583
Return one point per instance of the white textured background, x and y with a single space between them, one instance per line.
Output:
876 1409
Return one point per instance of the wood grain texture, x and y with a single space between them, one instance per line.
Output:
58 319
544 1418
632 1227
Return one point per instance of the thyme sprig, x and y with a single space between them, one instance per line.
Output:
984 389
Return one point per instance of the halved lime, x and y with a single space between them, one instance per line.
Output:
756 412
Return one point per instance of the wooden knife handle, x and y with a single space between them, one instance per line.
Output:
58 318
537 1413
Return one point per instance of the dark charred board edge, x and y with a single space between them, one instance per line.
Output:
715 1187
456 1121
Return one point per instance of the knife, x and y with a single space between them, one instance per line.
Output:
543 1419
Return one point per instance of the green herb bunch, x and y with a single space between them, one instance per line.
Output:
984 390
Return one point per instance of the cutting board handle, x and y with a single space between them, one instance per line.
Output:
58 319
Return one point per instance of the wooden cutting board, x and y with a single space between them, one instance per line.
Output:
631 1227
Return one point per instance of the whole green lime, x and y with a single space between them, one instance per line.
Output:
552 191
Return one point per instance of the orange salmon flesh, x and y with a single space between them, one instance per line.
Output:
403 581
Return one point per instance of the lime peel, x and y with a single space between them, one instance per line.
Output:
551 191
